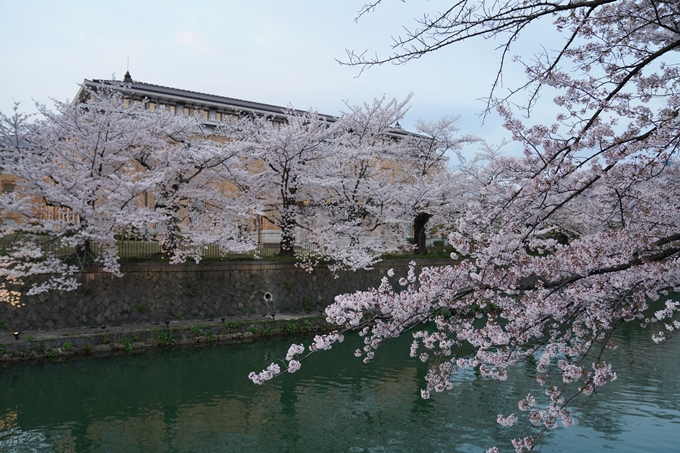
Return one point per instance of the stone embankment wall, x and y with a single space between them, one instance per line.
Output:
159 292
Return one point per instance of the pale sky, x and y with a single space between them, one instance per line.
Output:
266 51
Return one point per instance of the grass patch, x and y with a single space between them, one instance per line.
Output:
290 327
197 331
165 338
127 345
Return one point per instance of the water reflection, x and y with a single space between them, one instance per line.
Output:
200 400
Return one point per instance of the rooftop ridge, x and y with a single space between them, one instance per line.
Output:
232 103
203 96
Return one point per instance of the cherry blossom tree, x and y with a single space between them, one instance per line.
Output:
425 176
75 187
356 214
84 172
281 164
76 181
606 169
340 185
193 205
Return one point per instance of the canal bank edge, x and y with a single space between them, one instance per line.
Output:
158 304
126 339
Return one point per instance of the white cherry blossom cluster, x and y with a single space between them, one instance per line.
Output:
272 371
27 259
510 420
294 350
292 362
325 342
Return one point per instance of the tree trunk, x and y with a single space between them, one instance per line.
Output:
420 232
169 244
170 240
287 245
84 251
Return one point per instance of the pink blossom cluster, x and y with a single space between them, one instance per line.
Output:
294 350
527 443
527 403
510 420
293 366
292 362
271 372
325 342
27 259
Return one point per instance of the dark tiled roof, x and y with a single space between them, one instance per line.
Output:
149 90
237 104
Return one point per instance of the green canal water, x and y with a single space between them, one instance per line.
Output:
200 400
